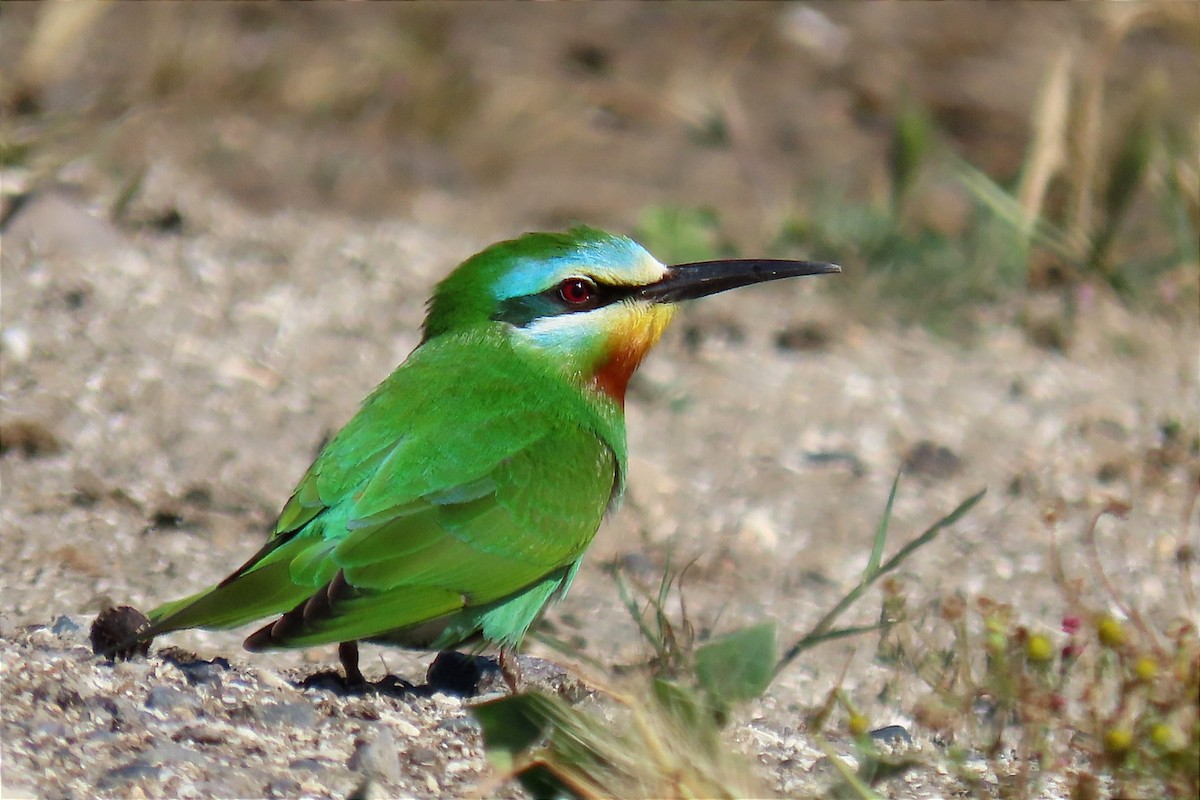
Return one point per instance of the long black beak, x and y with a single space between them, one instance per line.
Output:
701 278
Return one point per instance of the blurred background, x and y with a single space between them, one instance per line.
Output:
953 155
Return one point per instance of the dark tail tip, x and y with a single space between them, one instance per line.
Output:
259 640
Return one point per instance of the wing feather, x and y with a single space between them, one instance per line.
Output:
482 495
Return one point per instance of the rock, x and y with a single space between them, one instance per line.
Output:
459 674
29 438
376 755
535 673
164 698
65 626
310 765
283 787
171 753
891 734
198 671
16 343
58 223
134 771
423 756
932 460
124 715
17 791
301 715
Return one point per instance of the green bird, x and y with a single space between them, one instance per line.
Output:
459 501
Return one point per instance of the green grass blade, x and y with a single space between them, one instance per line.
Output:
882 531
931 533
818 632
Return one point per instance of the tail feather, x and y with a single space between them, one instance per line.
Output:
253 595
341 612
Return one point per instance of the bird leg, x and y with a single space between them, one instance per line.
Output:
510 670
348 655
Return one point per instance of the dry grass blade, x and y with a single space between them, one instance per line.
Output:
1048 151
53 47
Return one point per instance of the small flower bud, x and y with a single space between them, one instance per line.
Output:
1168 738
1110 631
1038 648
1118 741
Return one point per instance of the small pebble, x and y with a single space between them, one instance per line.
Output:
17 343
376 755
423 755
932 460
65 626
164 698
203 672
891 734
137 770
29 438
300 715
458 674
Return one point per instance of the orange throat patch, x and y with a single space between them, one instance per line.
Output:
639 331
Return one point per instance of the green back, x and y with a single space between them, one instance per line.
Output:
464 492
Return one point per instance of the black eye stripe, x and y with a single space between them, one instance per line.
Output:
603 294
521 311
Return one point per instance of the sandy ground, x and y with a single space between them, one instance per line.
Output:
164 389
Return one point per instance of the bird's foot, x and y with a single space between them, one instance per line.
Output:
351 679
348 655
510 668
332 680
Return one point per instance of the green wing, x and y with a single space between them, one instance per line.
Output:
466 488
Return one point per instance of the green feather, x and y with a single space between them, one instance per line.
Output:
459 501
463 495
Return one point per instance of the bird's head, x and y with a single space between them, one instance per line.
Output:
594 302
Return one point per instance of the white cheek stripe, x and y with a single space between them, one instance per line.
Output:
574 332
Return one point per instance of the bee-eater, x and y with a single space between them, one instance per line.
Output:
460 499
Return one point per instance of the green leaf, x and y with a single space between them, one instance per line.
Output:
519 733
679 701
737 667
512 726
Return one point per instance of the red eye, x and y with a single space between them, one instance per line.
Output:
576 291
